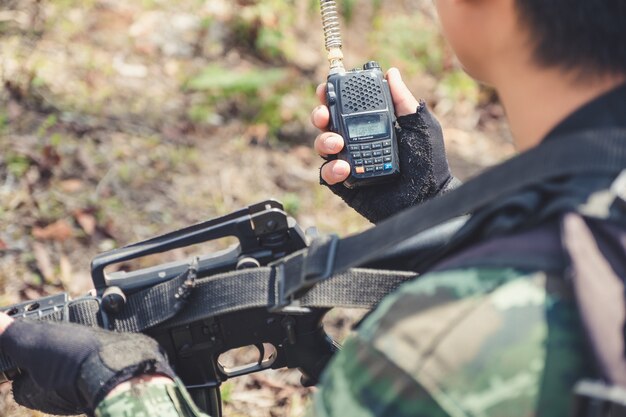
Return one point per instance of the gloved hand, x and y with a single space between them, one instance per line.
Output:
68 368
424 171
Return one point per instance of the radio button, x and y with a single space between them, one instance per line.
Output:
371 65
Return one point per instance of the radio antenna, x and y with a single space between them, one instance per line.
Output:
332 35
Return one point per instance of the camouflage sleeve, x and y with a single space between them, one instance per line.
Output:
150 399
473 342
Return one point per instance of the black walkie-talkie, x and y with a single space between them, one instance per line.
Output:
361 111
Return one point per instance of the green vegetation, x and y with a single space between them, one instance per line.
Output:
17 164
226 81
265 27
411 42
459 86
292 203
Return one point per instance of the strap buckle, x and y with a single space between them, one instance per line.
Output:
297 273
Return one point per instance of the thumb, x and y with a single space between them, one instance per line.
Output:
5 321
403 99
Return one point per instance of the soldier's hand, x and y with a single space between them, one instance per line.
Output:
68 369
424 171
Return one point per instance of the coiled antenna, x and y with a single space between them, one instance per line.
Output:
332 34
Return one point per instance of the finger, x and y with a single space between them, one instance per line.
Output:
335 172
328 143
320 117
320 92
5 321
403 100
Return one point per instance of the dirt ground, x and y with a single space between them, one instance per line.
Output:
122 120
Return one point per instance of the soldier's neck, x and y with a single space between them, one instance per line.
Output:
538 99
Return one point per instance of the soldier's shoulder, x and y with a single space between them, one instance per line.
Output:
472 341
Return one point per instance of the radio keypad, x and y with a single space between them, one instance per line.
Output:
371 159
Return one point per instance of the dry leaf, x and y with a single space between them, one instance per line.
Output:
72 185
65 266
59 230
50 157
44 264
31 293
304 154
86 220
257 134
3 245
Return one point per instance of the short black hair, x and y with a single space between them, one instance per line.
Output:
587 36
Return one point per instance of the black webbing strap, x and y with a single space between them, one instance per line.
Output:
257 287
590 152
152 305
226 293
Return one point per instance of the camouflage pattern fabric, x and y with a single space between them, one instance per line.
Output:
150 399
472 342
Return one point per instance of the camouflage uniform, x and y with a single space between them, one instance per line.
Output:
149 399
480 342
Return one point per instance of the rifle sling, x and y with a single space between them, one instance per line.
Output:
227 293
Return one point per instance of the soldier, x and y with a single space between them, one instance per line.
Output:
494 329
480 333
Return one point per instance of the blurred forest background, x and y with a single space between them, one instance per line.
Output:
121 120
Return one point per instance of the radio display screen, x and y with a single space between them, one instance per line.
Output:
367 125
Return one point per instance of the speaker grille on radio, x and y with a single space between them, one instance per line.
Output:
361 93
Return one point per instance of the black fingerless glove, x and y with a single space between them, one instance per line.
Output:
424 171
70 368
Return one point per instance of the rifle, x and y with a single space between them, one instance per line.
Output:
194 341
